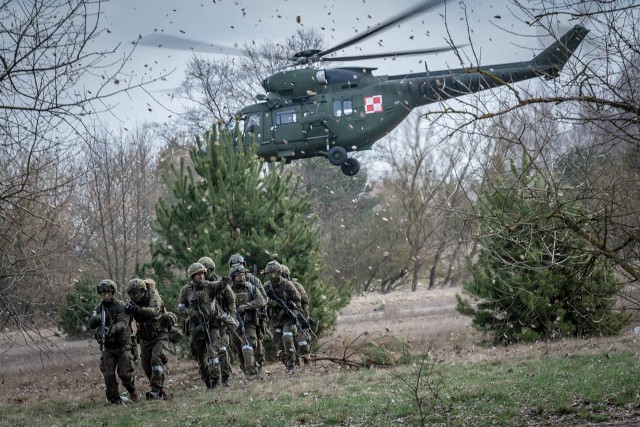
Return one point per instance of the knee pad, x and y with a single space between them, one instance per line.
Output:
303 347
287 340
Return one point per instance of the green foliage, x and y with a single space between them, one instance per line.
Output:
534 278
224 202
79 303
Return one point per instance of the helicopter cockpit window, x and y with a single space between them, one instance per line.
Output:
252 124
286 116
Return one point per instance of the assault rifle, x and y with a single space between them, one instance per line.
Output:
301 321
212 355
103 328
244 332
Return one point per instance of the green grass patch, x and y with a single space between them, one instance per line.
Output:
557 389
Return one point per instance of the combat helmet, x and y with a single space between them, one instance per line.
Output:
207 262
236 259
195 268
273 267
106 285
238 269
285 271
137 285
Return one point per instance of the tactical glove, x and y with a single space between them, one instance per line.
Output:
131 307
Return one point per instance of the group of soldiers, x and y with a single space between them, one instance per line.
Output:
219 313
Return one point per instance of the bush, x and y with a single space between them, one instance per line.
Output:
78 306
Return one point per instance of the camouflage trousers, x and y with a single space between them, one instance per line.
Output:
283 335
154 359
117 360
209 359
248 358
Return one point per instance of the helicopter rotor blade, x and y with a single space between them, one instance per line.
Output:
420 8
180 43
392 54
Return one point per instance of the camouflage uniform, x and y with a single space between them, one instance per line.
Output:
263 318
207 323
152 332
115 345
303 336
248 302
284 305
224 300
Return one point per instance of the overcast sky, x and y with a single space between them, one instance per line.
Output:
237 22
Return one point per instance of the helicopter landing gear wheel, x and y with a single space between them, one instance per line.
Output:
337 155
350 167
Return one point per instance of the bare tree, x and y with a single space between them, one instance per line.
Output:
53 85
115 206
425 183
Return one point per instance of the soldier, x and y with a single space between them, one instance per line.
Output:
208 263
304 335
263 319
113 333
225 300
284 305
197 302
248 301
147 309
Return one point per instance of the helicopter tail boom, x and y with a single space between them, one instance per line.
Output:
553 58
435 86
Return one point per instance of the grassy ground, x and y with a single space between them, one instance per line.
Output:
450 380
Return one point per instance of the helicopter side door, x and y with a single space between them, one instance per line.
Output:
287 129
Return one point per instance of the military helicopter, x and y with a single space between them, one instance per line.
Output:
329 112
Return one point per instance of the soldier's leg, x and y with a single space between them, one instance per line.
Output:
125 372
199 353
288 332
223 355
158 363
276 331
302 342
145 358
213 361
250 366
259 348
108 367
236 344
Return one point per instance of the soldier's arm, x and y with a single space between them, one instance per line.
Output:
231 298
120 321
95 319
304 298
153 311
226 299
260 288
258 300
293 296
183 304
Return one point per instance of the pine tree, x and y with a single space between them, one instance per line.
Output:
225 202
534 278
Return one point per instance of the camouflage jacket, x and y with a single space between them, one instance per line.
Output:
246 294
198 304
149 318
117 326
284 292
304 297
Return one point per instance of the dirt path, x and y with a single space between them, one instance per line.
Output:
35 368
